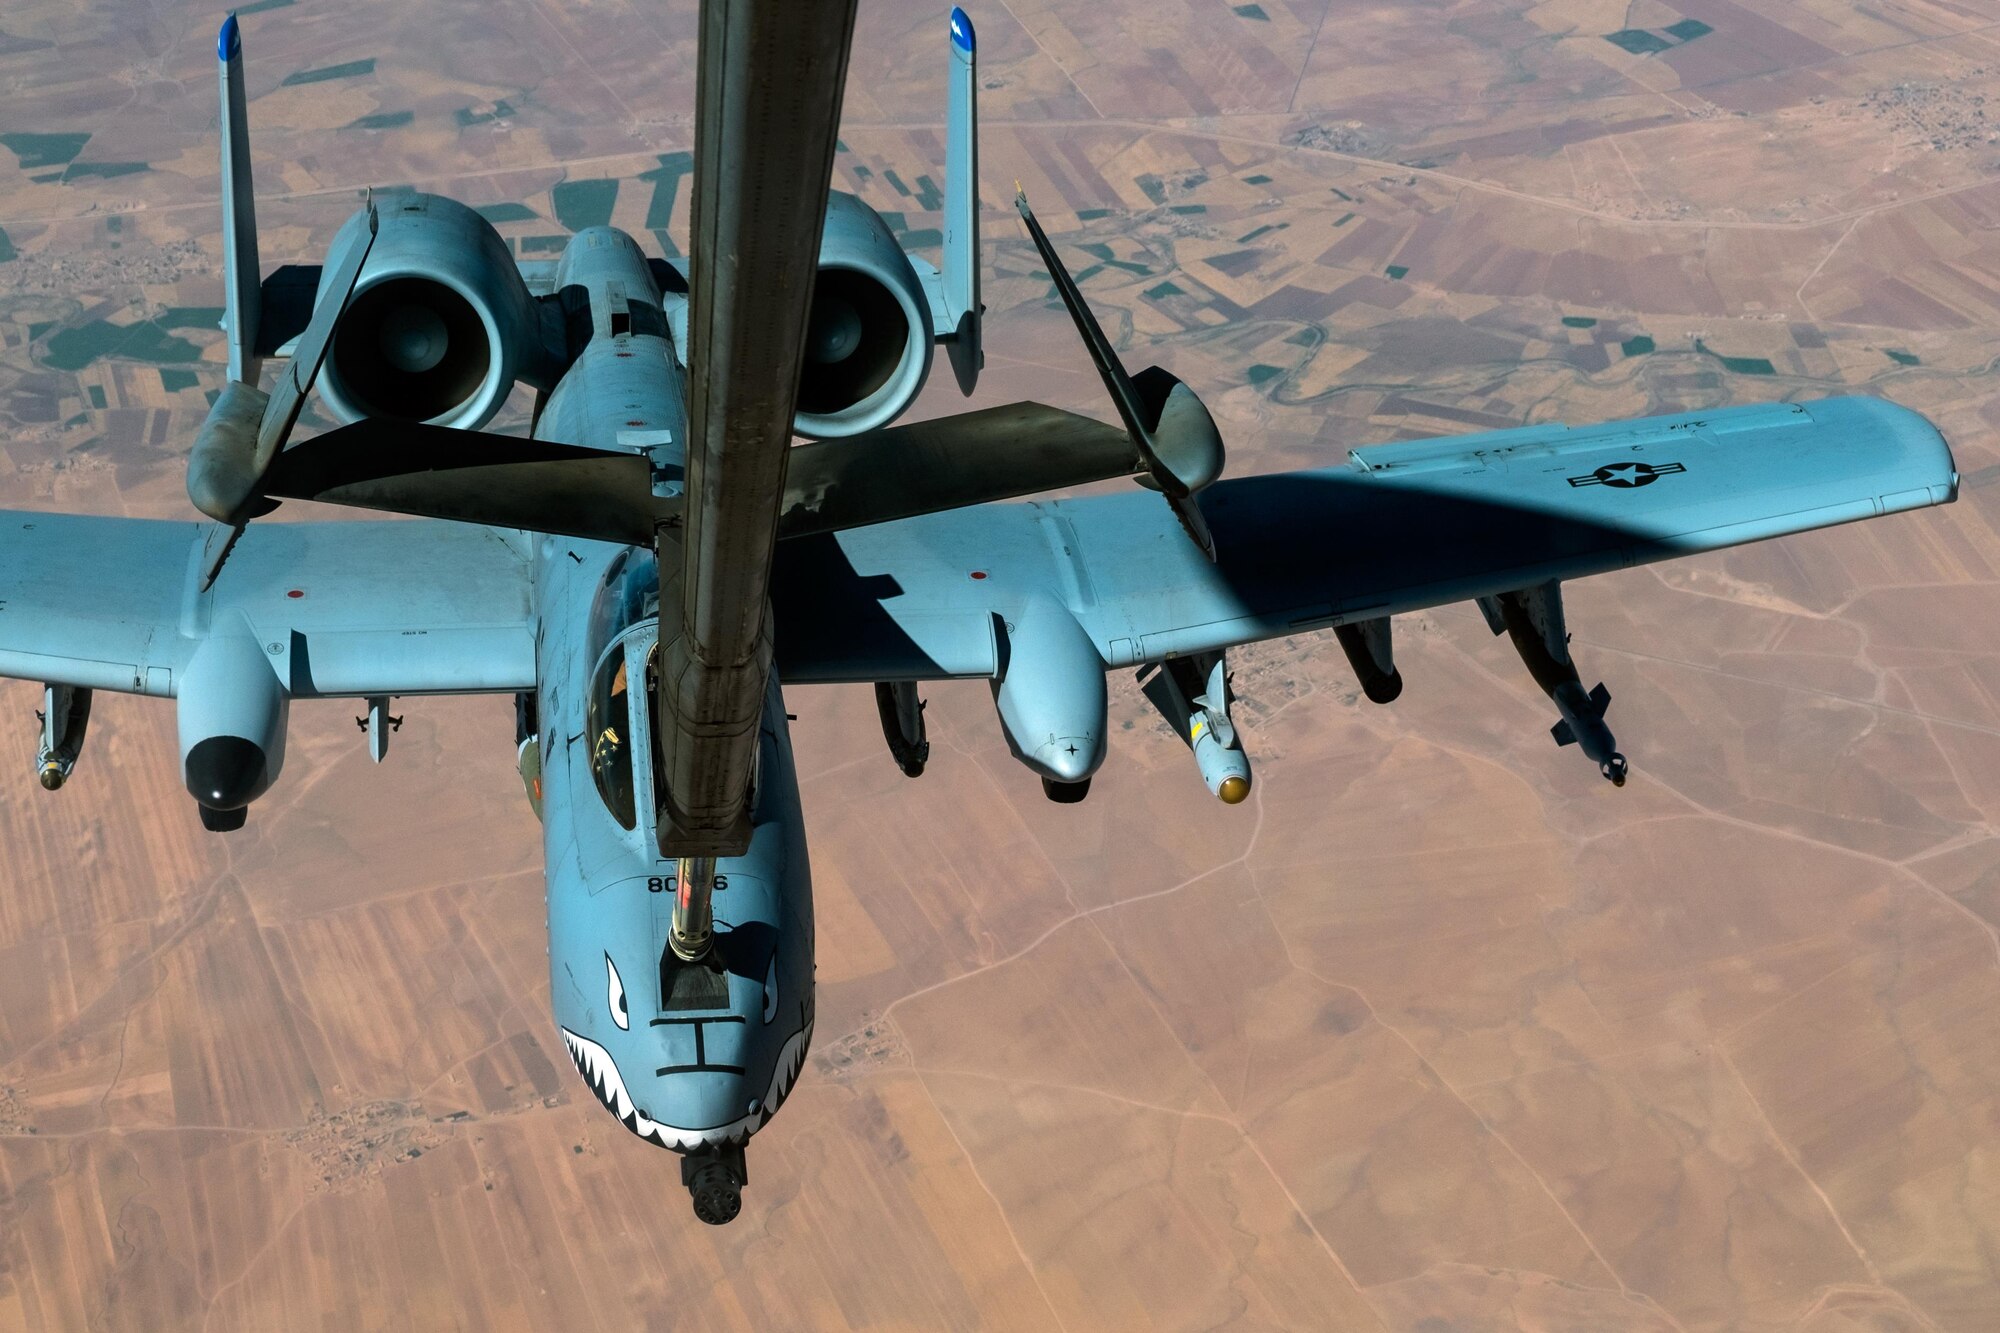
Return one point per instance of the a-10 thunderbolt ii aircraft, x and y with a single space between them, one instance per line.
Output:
650 567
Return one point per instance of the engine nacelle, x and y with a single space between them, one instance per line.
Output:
868 337
440 324
232 710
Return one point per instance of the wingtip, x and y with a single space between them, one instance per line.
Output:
962 35
1021 200
228 43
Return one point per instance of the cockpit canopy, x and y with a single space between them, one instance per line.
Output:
623 636
610 724
629 596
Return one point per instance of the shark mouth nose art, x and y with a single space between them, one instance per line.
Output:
615 996
601 1073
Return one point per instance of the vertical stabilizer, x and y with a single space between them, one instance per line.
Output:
241 297
961 208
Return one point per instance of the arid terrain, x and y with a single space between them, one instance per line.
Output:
1437 1032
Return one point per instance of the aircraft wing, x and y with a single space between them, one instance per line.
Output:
345 609
1399 528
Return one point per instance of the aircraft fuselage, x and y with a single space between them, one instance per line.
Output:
690 1056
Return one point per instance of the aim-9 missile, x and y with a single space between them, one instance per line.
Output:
1533 619
1192 694
64 715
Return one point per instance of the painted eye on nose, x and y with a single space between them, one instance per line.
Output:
615 996
771 990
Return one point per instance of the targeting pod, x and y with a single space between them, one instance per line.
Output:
232 711
1193 695
1533 619
64 715
1051 699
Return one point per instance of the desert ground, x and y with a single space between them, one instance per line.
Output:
1436 1032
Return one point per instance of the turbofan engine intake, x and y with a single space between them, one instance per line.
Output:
868 337
440 324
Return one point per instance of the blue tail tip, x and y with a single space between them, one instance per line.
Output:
961 31
227 44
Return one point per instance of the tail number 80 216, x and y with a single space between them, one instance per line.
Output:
665 883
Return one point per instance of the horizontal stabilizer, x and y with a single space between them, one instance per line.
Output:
499 480
1600 700
925 467
1561 731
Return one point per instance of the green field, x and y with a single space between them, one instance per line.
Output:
581 204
